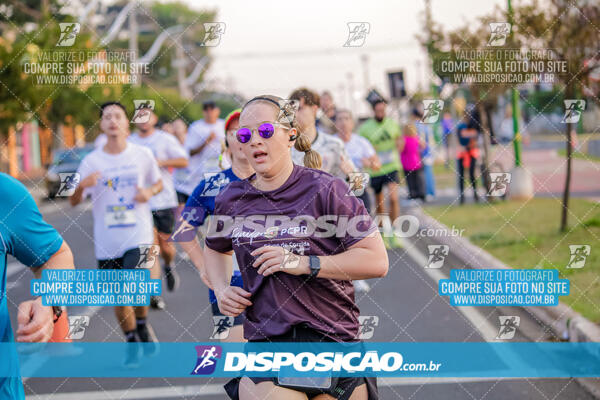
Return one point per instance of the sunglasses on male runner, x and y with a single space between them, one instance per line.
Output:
265 130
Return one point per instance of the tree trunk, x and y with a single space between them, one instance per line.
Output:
488 113
567 190
485 127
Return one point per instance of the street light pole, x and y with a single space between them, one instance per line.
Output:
515 106
521 184
365 64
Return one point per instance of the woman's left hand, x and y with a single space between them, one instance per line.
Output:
271 259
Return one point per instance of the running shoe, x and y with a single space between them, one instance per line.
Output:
172 278
157 303
148 338
132 355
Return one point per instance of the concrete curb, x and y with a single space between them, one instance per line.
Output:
562 319
564 322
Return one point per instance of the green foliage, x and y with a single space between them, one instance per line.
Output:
22 99
532 239
545 101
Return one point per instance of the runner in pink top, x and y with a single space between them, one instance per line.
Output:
410 156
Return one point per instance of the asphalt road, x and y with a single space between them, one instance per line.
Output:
406 302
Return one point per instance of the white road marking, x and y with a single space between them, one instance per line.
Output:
215 389
487 330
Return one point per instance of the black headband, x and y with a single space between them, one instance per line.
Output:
264 98
272 101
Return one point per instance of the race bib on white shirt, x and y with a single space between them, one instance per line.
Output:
120 216
120 223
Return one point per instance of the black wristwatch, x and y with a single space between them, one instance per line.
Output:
57 310
315 265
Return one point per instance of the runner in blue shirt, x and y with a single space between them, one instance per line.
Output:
26 236
201 204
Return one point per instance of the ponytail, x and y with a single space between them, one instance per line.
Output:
312 159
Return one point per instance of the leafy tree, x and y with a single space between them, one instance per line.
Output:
570 28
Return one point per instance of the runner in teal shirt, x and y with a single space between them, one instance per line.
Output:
27 237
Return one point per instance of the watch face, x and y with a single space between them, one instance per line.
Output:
315 265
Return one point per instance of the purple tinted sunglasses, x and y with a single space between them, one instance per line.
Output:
265 130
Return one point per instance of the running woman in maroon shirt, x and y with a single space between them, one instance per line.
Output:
287 298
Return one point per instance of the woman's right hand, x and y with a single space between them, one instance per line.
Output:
233 300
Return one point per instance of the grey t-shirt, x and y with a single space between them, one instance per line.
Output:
282 300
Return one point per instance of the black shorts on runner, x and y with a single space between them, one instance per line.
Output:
129 260
182 198
341 388
378 182
164 220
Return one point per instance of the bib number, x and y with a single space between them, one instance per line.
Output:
120 216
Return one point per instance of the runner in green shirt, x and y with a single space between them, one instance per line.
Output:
384 135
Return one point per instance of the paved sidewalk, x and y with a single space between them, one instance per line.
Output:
548 171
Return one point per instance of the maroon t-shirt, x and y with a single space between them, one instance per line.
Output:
282 300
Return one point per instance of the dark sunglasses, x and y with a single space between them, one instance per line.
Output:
265 130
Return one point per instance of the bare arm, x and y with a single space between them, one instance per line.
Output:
198 149
88 181
400 143
219 267
232 300
144 194
194 251
364 260
181 162
36 321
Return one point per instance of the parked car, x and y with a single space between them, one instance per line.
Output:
64 161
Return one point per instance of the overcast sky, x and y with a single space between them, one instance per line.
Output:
273 46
